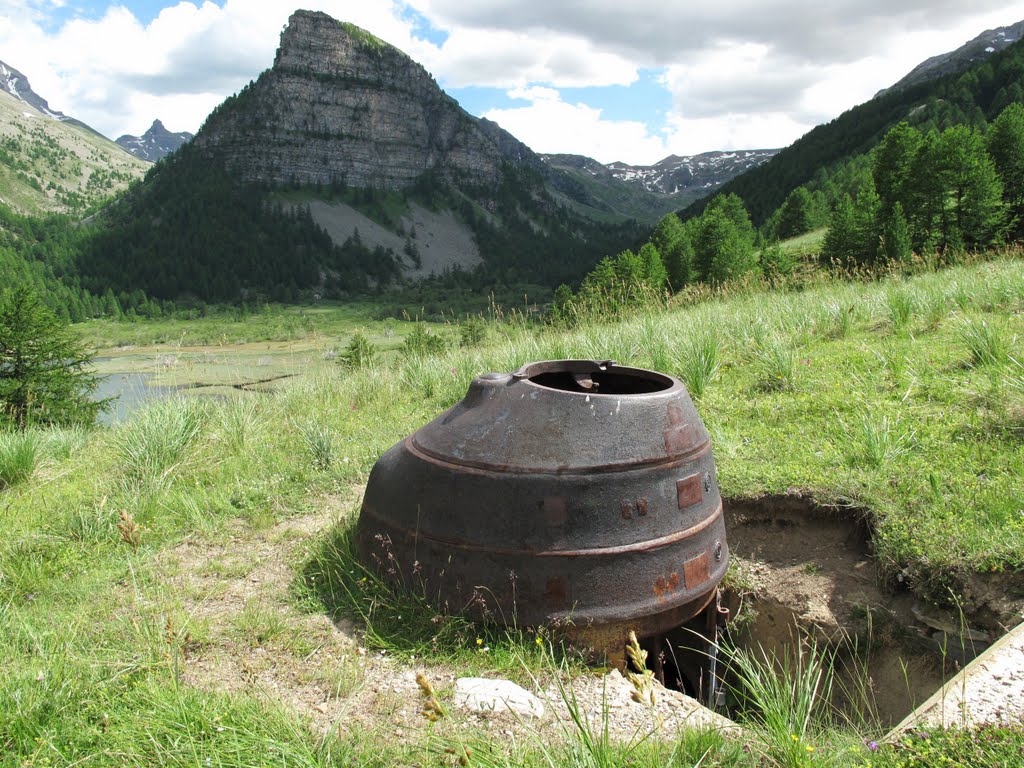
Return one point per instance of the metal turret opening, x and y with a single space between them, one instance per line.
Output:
592 377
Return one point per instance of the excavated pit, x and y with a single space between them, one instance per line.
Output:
805 574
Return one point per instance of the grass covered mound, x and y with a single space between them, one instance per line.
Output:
903 397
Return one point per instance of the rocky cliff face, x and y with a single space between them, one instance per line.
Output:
339 105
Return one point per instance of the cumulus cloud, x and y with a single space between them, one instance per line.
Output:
659 33
741 73
504 59
552 125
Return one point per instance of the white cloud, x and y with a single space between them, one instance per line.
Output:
501 59
551 125
741 73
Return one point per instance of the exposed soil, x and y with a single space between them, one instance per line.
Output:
806 574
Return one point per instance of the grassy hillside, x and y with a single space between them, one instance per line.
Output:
47 166
161 596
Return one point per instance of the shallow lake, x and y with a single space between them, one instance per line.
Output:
132 391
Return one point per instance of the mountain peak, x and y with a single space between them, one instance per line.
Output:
154 144
341 106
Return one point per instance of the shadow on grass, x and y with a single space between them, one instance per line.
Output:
400 620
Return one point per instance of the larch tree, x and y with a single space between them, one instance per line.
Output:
1005 142
45 369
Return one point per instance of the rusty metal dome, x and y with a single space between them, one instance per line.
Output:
573 493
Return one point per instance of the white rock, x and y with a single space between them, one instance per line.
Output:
479 694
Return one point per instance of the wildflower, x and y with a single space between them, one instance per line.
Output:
809 748
479 641
872 745
538 640
794 737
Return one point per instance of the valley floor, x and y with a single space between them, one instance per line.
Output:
179 588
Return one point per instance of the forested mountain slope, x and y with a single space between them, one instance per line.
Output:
342 118
971 97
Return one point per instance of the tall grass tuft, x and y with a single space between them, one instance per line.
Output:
835 321
61 443
698 361
19 456
774 363
784 695
879 440
318 441
238 422
986 343
900 305
154 444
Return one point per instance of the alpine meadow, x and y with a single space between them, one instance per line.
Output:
209 341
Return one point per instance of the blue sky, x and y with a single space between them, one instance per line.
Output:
632 82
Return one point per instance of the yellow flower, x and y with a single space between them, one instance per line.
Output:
539 640
794 737
479 641
810 748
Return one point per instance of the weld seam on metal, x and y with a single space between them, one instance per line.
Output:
622 549
492 469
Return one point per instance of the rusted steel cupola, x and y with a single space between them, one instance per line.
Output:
573 493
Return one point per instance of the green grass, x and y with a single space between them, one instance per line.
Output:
153 444
19 454
787 696
698 361
809 392
987 344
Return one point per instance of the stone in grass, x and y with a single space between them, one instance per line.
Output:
479 694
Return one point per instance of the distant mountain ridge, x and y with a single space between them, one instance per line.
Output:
675 174
16 84
155 144
984 45
647 192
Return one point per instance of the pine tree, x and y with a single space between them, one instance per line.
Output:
893 164
721 251
796 216
45 376
672 240
896 235
926 196
974 209
1005 142
733 207
655 275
